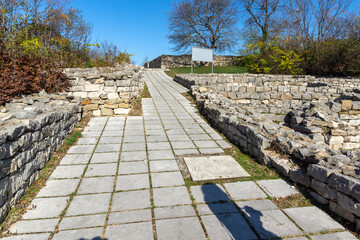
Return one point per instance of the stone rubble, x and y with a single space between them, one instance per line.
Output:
107 91
307 128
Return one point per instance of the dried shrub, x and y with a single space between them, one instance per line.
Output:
27 75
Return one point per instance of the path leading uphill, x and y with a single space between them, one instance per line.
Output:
122 181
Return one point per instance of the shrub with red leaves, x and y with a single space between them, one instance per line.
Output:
27 75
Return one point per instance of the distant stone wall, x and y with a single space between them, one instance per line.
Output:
31 129
173 61
107 91
307 128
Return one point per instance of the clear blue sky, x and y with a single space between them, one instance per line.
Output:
137 26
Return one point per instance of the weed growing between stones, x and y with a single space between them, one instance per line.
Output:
19 209
136 109
292 201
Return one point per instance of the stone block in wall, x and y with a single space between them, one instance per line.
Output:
77 89
346 105
80 94
112 106
297 175
319 198
110 89
97 113
121 111
112 96
107 112
320 173
345 184
109 83
97 101
348 203
342 212
91 107
356 105
93 88
323 189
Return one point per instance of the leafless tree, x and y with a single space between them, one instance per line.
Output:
261 15
204 23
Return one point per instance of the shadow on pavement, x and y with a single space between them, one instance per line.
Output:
233 222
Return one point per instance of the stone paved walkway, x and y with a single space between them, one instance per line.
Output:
121 181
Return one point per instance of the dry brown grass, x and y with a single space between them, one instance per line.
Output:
136 109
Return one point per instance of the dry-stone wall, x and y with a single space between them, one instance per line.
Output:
107 91
31 129
173 61
305 127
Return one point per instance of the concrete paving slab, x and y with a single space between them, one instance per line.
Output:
227 226
165 179
131 200
108 157
133 231
216 208
71 171
46 208
55 188
174 212
244 190
87 141
209 193
114 127
223 144
312 219
179 228
158 146
211 150
96 185
132 182
79 149
214 167
90 134
133 167
82 221
206 144
106 169
89 204
164 166
171 196
128 147
106 140
256 205
155 133
102 148
84 234
134 139
183 145
335 236
277 187
156 138
178 138
113 133
130 216
161 155
199 137
70 159
133 156
34 226
133 132
180 152
272 224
